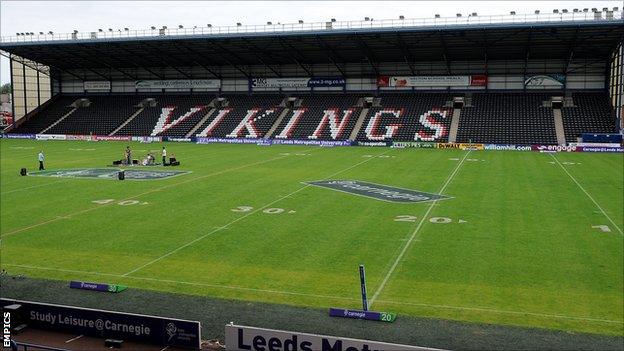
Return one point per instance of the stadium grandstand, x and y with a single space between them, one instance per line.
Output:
546 82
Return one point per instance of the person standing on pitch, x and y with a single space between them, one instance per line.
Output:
41 158
164 155
128 156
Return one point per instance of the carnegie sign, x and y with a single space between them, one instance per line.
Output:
108 324
431 81
258 339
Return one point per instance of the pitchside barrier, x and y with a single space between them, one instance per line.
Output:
594 147
106 324
239 337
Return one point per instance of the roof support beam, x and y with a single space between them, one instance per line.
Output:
215 74
296 51
368 53
247 74
445 53
167 63
159 76
27 63
527 54
407 54
271 57
126 74
332 55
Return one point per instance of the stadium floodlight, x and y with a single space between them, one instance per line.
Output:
100 30
605 9
555 11
31 33
75 31
564 10
437 15
333 20
153 27
300 21
401 17
17 34
126 29
50 32
180 26
164 27
269 23
594 9
40 33
513 13
209 25
537 12
474 14
615 9
575 10
367 18
110 29
585 9
238 24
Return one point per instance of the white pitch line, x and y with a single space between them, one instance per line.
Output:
415 232
588 195
494 310
31 187
281 292
239 219
19 230
74 339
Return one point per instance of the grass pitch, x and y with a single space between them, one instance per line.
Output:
516 245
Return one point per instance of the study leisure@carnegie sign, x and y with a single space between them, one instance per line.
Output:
259 339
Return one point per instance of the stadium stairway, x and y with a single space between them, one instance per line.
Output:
200 123
454 125
358 124
127 121
59 120
559 130
277 123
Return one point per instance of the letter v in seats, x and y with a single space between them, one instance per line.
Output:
165 123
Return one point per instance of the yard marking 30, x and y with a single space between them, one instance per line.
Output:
241 218
415 232
282 292
588 195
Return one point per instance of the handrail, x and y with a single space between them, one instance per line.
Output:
442 22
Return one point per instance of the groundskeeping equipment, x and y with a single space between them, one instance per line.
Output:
364 313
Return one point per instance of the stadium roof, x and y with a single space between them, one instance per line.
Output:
415 42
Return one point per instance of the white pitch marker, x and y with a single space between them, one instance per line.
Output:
603 228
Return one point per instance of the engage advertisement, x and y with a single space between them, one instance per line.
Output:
178 84
314 82
259 339
108 324
432 81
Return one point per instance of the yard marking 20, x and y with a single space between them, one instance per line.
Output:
249 213
415 232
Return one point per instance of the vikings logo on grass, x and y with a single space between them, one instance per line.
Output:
378 191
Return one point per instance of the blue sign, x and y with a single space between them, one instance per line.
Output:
97 286
366 315
316 82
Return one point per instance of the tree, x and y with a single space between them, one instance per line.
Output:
5 88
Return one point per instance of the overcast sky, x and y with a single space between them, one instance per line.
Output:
87 16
